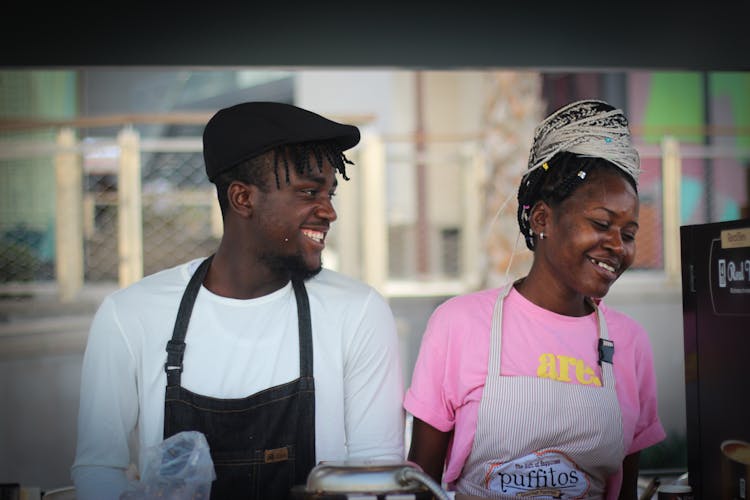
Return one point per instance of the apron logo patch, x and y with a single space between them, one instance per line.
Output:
276 455
543 474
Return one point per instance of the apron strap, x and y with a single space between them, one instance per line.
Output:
305 329
176 345
496 336
605 346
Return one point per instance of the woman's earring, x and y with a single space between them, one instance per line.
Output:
541 235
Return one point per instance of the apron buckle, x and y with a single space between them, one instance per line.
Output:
606 351
175 352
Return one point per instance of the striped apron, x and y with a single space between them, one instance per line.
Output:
540 438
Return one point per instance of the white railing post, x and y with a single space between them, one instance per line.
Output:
68 217
217 220
349 225
130 227
374 220
671 172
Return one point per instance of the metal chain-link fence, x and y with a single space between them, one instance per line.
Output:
180 216
177 211
435 238
178 208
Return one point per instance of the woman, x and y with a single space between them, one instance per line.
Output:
562 407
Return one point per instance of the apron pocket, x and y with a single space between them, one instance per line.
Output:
273 472
234 479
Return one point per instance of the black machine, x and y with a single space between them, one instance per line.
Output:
716 320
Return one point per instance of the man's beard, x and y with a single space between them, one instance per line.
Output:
294 265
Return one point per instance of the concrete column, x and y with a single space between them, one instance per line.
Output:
68 217
514 107
130 226
671 175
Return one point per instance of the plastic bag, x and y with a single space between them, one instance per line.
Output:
180 467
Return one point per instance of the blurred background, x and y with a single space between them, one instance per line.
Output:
102 181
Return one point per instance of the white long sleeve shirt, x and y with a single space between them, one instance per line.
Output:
236 348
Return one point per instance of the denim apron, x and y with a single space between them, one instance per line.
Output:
261 445
543 439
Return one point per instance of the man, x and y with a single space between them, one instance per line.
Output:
280 363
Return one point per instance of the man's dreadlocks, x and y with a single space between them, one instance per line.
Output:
303 157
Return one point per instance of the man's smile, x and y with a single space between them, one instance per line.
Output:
316 236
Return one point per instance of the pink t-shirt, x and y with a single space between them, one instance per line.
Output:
451 368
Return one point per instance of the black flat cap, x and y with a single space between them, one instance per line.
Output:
249 129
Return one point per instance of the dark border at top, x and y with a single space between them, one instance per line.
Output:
518 34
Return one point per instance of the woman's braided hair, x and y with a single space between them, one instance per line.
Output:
302 157
569 144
